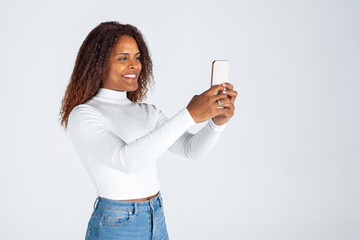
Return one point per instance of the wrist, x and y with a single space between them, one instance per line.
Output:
215 122
212 124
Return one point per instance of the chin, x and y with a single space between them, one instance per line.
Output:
133 89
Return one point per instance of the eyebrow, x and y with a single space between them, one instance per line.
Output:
126 53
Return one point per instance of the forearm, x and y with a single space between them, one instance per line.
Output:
143 151
199 144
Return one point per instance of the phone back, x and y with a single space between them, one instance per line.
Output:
220 72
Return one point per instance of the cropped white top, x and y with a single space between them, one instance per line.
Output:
119 142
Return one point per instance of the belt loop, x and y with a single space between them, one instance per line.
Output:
96 202
161 201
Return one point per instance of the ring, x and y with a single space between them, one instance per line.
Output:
219 102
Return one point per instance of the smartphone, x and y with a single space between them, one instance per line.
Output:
219 72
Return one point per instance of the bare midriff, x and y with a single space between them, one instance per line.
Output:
143 199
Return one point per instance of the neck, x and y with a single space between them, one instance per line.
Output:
109 93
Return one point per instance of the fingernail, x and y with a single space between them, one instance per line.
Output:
223 91
223 84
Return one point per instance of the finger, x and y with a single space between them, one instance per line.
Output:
214 89
232 95
229 106
219 96
230 92
229 110
228 85
224 101
221 111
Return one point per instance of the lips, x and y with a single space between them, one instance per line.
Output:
130 76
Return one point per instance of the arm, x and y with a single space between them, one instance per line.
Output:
195 146
87 130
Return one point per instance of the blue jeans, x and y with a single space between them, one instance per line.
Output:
116 219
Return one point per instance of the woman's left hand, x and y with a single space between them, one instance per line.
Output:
228 104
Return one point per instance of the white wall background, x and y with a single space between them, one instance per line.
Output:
287 165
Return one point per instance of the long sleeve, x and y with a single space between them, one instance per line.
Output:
195 146
87 130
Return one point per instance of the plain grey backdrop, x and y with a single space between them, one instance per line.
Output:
287 165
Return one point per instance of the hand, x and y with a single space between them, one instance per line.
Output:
205 106
228 104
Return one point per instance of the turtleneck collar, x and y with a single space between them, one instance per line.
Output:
114 94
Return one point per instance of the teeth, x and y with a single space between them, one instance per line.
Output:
130 75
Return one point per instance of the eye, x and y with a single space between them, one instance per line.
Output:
138 58
124 58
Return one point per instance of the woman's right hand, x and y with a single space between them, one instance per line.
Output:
205 106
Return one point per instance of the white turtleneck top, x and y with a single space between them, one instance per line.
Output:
119 142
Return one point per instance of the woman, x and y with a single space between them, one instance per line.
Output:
118 138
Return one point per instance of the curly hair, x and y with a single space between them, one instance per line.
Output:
92 62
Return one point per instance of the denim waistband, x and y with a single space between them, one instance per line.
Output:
105 203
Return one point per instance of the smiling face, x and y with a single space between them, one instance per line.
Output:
124 66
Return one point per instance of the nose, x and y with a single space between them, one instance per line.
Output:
133 64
